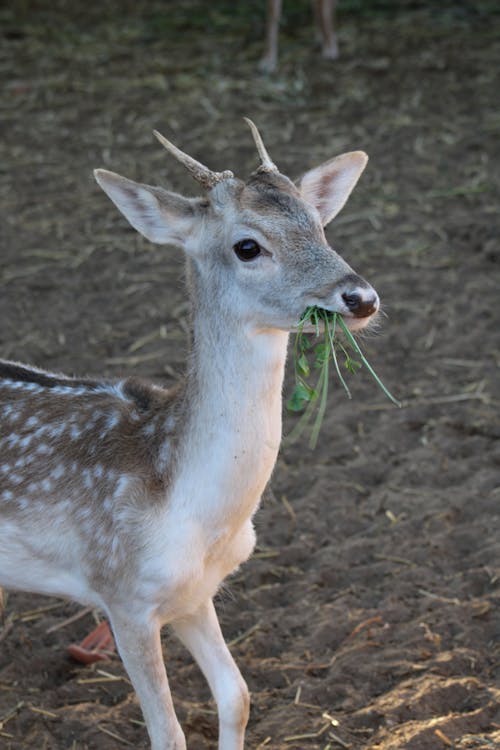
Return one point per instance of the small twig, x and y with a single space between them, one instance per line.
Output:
159 333
69 620
10 714
43 712
457 397
443 737
104 677
33 614
135 359
445 599
308 735
340 741
289 509
117 677
376 620
114 735
263 743
296 700
246 634
390 558
266 553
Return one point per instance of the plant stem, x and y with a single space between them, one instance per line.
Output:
352 341
331 336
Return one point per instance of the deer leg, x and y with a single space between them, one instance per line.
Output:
324 11
139 646
270 60
201 634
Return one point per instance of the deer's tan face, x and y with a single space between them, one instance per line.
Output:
259 246
272 258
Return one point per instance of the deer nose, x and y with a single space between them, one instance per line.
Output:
361 302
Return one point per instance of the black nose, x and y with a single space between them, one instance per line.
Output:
360 307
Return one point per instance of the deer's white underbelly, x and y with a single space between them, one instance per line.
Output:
44 563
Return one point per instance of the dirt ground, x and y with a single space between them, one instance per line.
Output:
369 616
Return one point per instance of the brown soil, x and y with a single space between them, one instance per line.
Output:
369 617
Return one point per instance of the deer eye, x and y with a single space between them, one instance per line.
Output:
247 249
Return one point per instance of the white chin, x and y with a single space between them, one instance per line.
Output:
357 324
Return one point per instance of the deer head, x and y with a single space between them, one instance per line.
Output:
258 246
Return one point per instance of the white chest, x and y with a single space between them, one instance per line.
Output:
184 568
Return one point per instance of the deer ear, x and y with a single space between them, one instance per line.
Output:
159 215
329 186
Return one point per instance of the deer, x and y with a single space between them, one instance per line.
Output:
324 17
138 499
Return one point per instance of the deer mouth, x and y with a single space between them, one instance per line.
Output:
311 323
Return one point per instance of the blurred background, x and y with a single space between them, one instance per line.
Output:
368 617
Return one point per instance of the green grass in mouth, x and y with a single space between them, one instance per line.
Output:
317 355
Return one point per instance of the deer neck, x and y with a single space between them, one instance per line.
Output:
236 369
233 400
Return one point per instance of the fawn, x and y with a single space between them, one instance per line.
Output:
324 15
139 500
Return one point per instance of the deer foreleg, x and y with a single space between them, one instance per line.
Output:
139 646
201 634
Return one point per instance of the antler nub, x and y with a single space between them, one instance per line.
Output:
201 174
266 164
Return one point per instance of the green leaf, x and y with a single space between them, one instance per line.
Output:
322 353
303 366
352 365
301 396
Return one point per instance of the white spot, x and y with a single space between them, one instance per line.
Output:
7 410
13 438
24 443
150 428
46 485
87 479
75 432
58 472
43 449
7 495
21 385
56 430
121 486
169 424
41 430
32 421
107 504
5 468
115 545
112 420
20 463
15 478
164 456
65 390
98 471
